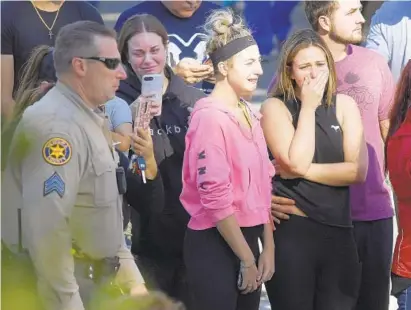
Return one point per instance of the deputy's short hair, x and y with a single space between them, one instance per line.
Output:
78 40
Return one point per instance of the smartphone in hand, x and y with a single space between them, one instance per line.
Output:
143 116
152 88
141 120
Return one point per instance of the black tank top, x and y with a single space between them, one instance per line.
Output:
325 204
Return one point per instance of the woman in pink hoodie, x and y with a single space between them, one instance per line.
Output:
227 179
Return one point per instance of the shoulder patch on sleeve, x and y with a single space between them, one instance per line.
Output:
57 151
54 184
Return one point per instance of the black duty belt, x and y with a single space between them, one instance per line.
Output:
96 269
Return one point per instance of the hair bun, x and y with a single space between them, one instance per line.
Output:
223 26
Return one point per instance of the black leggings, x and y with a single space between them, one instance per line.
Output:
212 270
374 243
316 267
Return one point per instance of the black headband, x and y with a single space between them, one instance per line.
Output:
230 49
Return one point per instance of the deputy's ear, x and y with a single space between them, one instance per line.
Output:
79 66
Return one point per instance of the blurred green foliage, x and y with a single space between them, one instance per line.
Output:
18 283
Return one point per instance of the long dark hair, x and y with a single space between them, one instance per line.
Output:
39 68
402 100
402 103
139 24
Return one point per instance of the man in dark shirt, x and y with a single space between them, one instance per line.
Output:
27 24
186 49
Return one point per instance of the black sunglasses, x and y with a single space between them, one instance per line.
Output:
110 63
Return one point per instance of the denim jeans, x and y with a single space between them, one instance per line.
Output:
404 299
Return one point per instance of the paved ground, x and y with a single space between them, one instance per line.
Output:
110 11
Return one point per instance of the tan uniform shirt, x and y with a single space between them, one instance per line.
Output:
62 176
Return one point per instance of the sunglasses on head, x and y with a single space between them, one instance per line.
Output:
110 63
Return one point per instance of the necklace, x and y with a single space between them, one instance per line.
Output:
50 28
245 112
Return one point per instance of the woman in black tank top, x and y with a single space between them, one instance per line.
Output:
316 139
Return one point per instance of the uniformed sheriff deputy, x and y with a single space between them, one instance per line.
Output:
63 181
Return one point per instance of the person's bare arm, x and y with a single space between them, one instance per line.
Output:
387 98
355 165
292 149
231 232
7 84
279 132
129 276
266 265
124 142
384 127
122 134
281 207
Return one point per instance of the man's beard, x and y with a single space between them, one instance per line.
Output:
345 40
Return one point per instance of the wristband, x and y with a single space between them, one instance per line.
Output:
243 265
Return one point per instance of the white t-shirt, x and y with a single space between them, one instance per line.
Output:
390 34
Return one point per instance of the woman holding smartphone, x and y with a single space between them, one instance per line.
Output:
316 138
158 219
398 150
226 178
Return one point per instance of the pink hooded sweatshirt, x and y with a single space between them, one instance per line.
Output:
226 169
